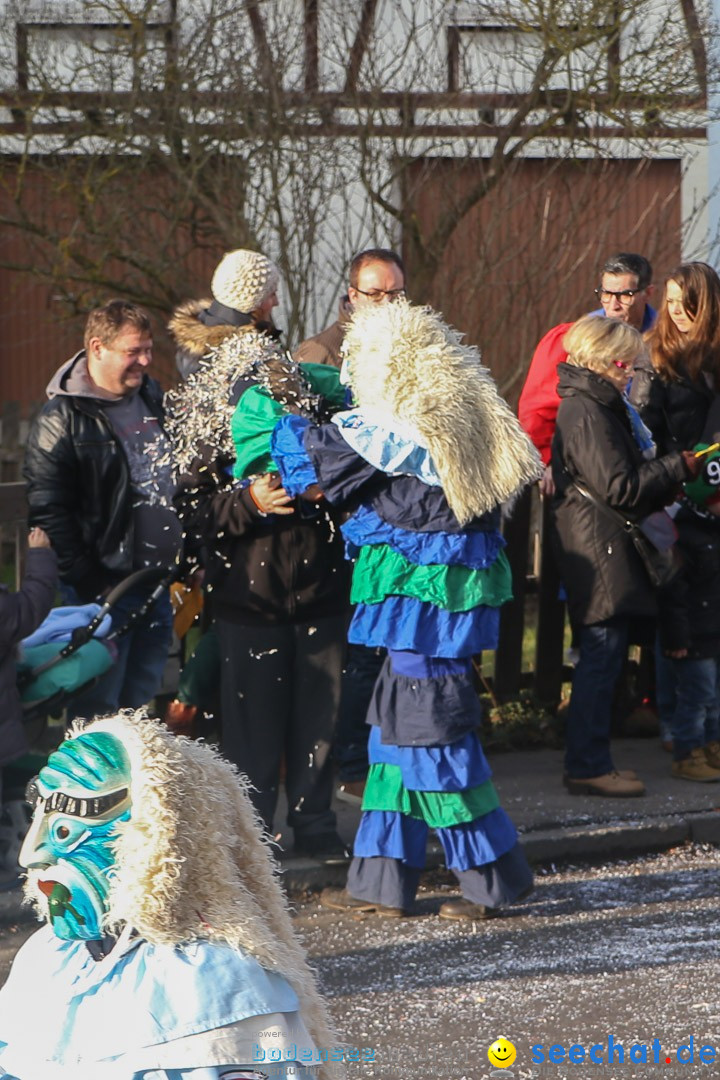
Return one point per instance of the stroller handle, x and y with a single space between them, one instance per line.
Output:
82 634
139 577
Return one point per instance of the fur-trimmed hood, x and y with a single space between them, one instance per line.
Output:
191 335
407 362
192 861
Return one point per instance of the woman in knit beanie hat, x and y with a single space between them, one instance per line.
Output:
244 292
275 567
245 282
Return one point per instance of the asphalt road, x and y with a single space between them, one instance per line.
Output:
627 951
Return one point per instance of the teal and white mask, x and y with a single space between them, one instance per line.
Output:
80 797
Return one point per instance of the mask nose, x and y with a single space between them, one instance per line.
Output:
31 853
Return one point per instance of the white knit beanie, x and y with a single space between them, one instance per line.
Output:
244 279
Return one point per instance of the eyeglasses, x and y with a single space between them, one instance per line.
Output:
378 295
622 364
625 296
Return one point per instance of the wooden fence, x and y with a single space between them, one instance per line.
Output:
13 525
535 575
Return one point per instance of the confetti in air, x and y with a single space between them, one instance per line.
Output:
199 411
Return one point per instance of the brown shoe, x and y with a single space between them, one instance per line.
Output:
610 786
627 774
465 911
351 791
341 900
712 754
695 767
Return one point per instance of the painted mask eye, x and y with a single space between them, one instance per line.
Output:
67 835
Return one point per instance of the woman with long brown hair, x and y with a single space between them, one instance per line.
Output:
673 389
673 392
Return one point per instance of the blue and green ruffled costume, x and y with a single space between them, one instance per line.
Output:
430 591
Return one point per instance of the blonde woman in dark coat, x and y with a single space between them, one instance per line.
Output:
606 582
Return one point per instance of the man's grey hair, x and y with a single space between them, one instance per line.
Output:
626 262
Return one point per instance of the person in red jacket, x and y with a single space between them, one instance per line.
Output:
624 291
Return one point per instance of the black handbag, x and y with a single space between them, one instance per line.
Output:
662 565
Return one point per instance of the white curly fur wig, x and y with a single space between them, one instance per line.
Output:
192 862
405 360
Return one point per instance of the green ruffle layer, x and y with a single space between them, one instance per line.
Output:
385 790
381 571
257 413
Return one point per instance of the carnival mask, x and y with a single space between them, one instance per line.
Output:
80 796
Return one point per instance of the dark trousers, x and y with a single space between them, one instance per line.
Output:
362 667
603 648
280 691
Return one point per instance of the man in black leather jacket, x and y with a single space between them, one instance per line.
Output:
99 481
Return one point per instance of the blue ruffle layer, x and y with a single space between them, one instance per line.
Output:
456 767
287 446
476 550
402 622
478 842
391 835
417 666
413 711
394 835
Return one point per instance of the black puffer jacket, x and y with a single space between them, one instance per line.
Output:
593 443
263 570
78 489
675 410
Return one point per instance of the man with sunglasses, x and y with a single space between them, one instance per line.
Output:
624 290
376 276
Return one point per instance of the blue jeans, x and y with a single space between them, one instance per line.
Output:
603 648
136 675
691 693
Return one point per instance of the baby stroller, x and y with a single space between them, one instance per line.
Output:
49 676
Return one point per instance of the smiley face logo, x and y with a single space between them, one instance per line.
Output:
501 1054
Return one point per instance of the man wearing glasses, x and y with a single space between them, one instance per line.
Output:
376 276
624 290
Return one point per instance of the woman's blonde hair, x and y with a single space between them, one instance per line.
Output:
594 341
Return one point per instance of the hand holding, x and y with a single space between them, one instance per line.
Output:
38 538
313 494
546 483
693 464
270 496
